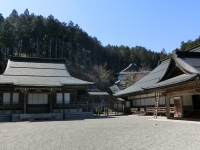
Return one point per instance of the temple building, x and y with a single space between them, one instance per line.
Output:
41 88
175 82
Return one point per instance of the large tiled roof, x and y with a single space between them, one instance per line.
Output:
188 61
173 81
114 88
38 72
148 80
131 68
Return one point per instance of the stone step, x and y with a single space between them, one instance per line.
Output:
36 116
5 118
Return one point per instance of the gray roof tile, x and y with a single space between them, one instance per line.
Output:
38 72
189 61
148 80
173 81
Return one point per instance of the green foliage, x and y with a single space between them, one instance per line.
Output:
143 71
189 44
97 74
36 36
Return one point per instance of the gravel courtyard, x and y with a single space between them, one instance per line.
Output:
117 132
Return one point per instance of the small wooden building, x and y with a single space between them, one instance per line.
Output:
127 73
33 88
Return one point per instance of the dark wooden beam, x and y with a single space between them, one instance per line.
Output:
11 104
63 103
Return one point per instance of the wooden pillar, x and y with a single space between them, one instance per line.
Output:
25 102
87 106
63 103
51 101
168 106
11 104
76 94
107 107
123 107
117 109
181 105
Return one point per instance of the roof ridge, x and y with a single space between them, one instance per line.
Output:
37 59
38 68
34 75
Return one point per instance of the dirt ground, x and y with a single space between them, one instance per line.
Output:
102 133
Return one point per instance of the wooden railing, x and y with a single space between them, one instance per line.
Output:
134 110
150 110
161 110
8 104
73 103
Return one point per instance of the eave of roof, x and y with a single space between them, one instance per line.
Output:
188 61
171 82
37 59
39 72
152 78
98 93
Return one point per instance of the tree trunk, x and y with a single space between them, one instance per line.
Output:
56 48
69 47
37 49
77 55
62 46
85 51
90 58
20 47
13 48
50 49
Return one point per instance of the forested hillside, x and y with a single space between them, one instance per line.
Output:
29 35
189 44
36 36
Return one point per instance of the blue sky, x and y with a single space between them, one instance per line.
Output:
154 24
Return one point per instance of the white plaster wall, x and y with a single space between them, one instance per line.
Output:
151 101
6 97
187 100
121 77
119 107
162 100
15 97
134 102
142 102
143 96
138 96
131 97
37 98
146 101
127 104
171 100
138 102
151 94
